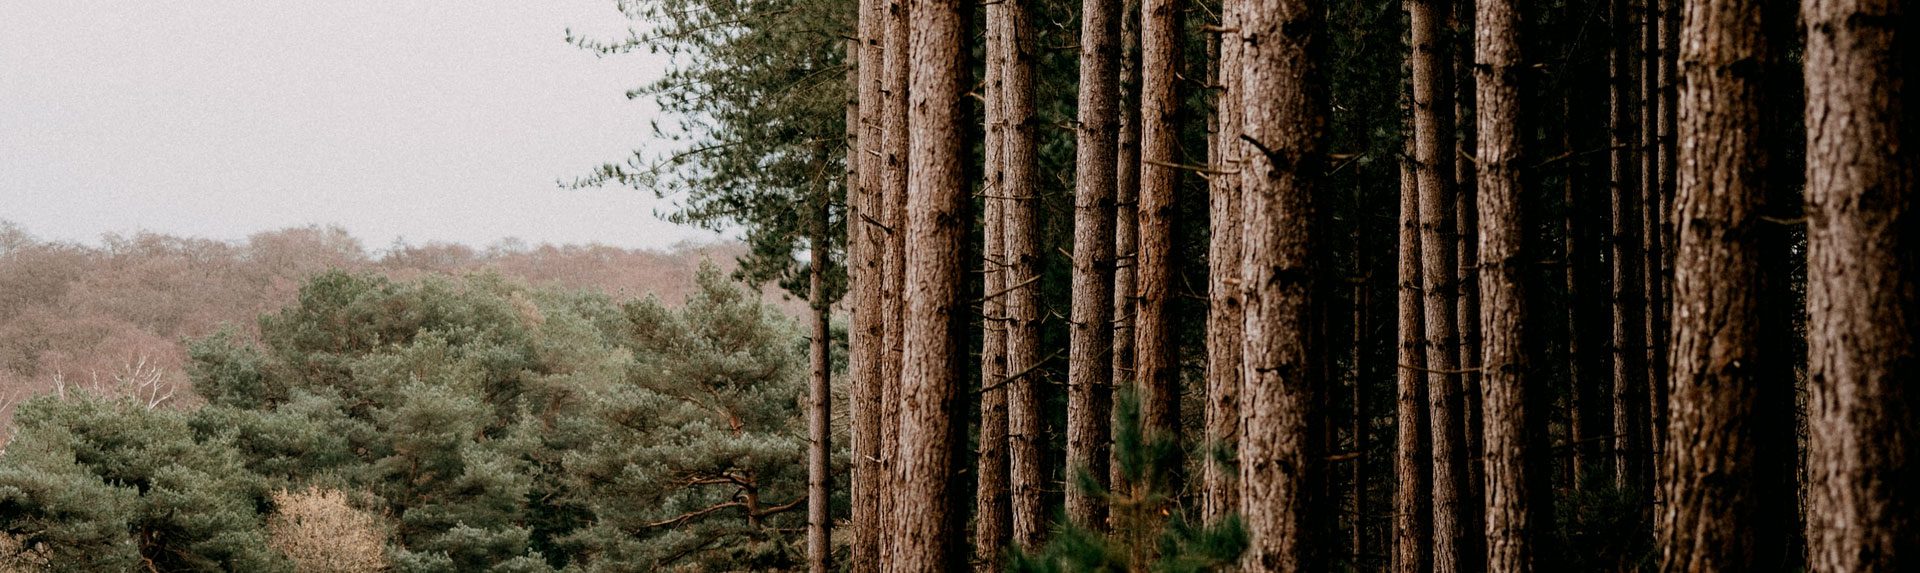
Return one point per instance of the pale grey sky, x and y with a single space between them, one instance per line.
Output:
428 119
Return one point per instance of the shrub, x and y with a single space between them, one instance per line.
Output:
322 532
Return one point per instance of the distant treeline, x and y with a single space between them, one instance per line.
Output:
119 311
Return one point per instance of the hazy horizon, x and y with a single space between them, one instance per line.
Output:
408 119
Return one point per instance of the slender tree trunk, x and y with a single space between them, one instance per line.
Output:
1650 236
1283 123
1629 334
1126 214
1518 492
1720 465
866 338
819 398
1089 370
893 198
1153 364
1466 227
1573 230
928 521
1030 515
992 520
1863 325
1224 316
1361 424
1453 523
1413 460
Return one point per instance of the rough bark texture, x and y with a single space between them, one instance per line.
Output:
1224 316
1284 121
1629 330
1153 360
1126 233
1030 515
1513 428
819 398
927 520
1089 367
1721 468
992 517
865 337
1413 459
893 199
1454 526
1862 299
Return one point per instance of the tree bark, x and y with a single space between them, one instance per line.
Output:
936 219
819 398
1153 365
866 337
1453 521
1225 320
1089 369
1022 279
992 520
1283 124
1126 211
1650 235
1862 299
1579 277
1413 460
1629 332
1466 226
893 197
1723 467
1517 489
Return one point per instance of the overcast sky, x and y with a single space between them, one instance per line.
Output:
424 119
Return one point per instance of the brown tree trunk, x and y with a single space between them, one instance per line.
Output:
1089 369
992 519
1863 325
1650 236
1361 423
1517 488
1413 460
1126 210
1153 344
819 397
936 220
1224 316
1467 226
1629 330
1454 546
1030 516
1721 466
1283 123
1578 275
893 199
866 338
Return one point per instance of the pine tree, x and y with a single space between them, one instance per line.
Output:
1089 369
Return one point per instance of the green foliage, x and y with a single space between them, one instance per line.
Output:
497 427
1604 529
1150 533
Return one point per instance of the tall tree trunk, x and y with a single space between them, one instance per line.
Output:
1224 316
936 220
1089 369
866 338
1022 279
1361 423
819 397
1578 275
1126 233
1722 466
893 198
1862 298
1153 344
1413 459
1629 332
1518 492
1466 227
1650 236
1284 121
1454 548
992 519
